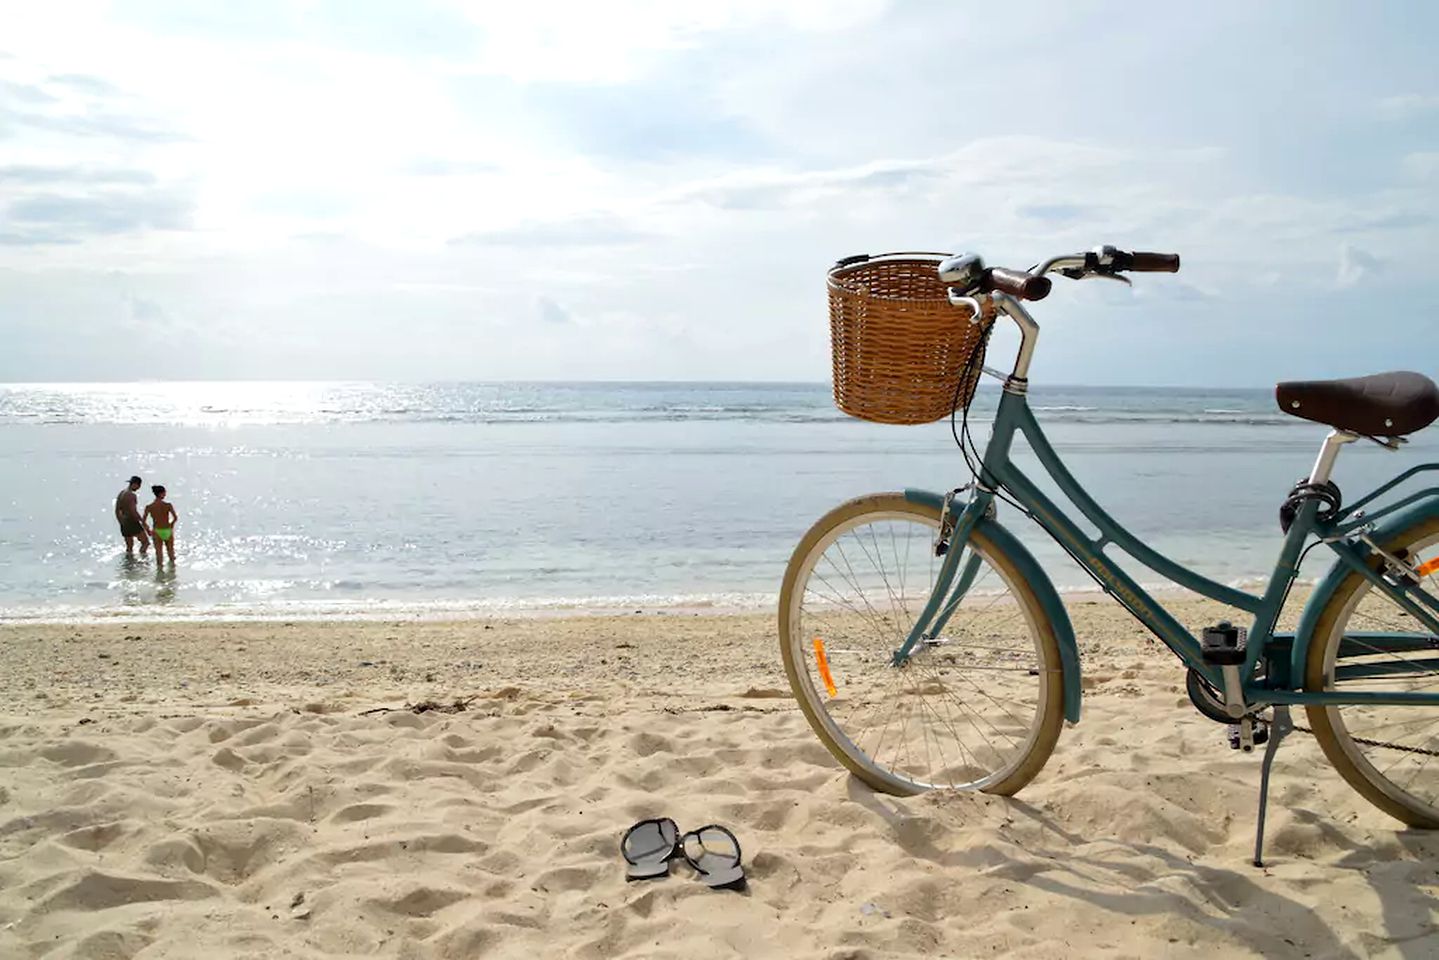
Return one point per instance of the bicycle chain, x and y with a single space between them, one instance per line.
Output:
1377 743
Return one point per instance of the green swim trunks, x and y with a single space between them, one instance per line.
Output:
163 533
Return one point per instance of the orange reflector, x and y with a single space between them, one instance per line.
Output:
1427 567
822 662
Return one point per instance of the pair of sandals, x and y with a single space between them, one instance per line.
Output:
713 851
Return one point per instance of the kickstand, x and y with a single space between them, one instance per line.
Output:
1279 728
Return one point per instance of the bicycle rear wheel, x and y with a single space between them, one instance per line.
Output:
1389 753
978 707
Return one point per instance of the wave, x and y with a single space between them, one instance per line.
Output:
375 609
359 609
216 404
1075 414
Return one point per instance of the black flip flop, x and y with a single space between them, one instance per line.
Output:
714 853
648 847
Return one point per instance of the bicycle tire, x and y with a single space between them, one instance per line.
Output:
1047 718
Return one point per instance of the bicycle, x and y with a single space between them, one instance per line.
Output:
927 647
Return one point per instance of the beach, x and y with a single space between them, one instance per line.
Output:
264 789
542 442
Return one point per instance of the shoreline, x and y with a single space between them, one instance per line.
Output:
734 604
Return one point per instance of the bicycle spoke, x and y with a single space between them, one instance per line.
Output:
958 740
893 600
854 580
966 708
968 716
869 613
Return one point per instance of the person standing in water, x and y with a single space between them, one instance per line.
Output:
132 524
162 517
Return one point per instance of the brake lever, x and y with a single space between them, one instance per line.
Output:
1107 276
1077 273
959 300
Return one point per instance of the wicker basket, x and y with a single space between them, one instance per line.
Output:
900 347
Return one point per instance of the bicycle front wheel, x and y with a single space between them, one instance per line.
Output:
978 707
1364 641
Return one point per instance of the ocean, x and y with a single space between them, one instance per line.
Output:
304 500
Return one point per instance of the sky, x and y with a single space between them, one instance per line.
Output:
431 190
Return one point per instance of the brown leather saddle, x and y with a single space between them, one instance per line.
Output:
1382 405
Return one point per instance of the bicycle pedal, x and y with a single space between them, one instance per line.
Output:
1258 736
1223 645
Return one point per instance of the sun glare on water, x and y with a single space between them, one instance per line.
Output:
194 403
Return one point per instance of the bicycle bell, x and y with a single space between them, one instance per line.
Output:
964 271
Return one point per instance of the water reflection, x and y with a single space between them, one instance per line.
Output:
131 573
164 584
136 586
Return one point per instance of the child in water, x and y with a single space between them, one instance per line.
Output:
161 517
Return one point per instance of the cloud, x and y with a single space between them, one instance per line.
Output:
1176 291
1423 165
84 84
441 167
14 92
1409 106
417 28
1386 220
1294 222
96 123
1009 170
771 189
1355 265
77 105
321 237
571 43
1056 212
646 122
311 202
591 230
42 174
150 319
35 237
551 312
44 218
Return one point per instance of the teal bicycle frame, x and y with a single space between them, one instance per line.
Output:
1273 671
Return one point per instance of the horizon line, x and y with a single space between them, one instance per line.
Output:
571 381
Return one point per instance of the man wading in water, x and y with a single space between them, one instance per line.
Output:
127 512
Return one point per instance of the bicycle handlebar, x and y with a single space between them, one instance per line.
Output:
1108 261
969 275
1016 283
1146 262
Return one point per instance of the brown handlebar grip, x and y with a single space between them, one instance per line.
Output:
1016 283
1154 262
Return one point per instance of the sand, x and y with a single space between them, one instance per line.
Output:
236 790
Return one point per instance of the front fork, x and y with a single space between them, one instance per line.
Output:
955 578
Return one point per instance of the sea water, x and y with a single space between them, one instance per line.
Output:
373 499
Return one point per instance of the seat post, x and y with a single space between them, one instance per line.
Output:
1324 465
